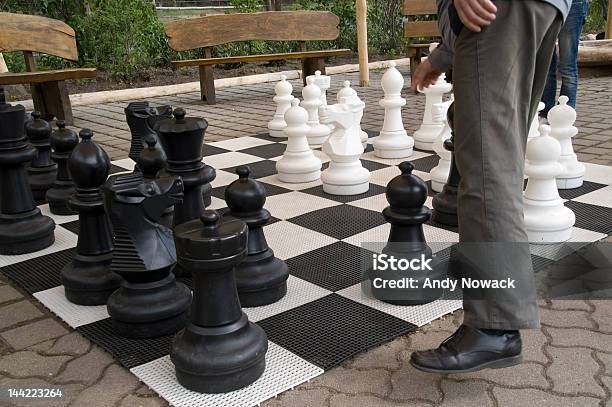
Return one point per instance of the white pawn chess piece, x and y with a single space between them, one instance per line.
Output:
311 93
324 83
353 97
298 164
561 119
393 141
439 174
345 175
547 219
283 98
535 123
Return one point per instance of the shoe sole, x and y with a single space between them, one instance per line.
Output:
494 364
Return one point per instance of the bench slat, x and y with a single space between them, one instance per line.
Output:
46 76
414 29
420 7
264 57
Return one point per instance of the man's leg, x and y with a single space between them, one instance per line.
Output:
569 38
549 97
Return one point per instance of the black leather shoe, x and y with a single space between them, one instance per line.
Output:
470 349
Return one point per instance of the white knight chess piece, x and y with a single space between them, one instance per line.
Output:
283 98
312 101
439 174
353 97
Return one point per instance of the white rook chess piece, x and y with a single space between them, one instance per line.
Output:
298 164
547 219
393 141
324 83
535 123
345 175
439 174
283 98
311 93
353 98
561 119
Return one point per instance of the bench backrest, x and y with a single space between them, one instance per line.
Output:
208 31
428 28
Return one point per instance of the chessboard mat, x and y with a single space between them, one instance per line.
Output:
325 318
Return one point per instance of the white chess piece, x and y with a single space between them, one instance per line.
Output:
353 97
561 119
439 174
298 164
547 219
345 175
393 141
312 101
324 83
535 123
283 98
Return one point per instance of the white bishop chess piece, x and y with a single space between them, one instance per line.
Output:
283 98
561 119
439 174
345 175
298 164
535 123
311 94
547 219
351 95
393 141
324 83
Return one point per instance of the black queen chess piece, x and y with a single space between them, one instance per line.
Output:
150 302
141 118
88 279
23 229
219 350
63 141
445 202
42 171
261 278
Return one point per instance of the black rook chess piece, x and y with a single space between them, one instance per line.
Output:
141 119
63 141
88 279
445 202
219 350
149 303
42 171
23 229
261 278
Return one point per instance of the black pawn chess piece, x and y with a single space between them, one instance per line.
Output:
406 213
261 278
219 350
150 302
141 119
23 229
445 202
152 161
88 279
63 141
43 170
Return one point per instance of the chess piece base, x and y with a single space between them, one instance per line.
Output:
548 225
445 218
278 133
425 137
88 280
569 183
299 178
437 186
354 189
58 200
261 279
25 232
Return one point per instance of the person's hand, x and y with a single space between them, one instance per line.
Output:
424 76
475 14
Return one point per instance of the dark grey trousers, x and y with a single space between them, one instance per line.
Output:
498 77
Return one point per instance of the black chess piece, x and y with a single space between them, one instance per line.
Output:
23 229
63 141
261 278
219 350
141 118
406 213
43 170
150 302
88 279
151 161
445 202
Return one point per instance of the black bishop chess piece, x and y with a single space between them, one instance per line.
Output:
261 278
141 118
23 229
150 302
43 170
445 202
406 213
88 279
151 161
219 350
63 141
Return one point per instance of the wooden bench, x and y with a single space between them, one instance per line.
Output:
207 31
421 28
31 34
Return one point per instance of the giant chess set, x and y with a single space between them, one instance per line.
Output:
226 273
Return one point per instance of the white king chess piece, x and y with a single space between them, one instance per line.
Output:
351 95
439 174
283 98
393 141
324 83
561 119
298 164
345 175
547 219
312 101
535 123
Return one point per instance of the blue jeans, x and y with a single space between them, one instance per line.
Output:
569 38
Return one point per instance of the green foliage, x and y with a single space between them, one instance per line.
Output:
596 20
247 6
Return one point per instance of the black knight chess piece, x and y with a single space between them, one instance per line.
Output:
88 279
150 302
43 170
445 202
141 119
23 229
63 141
261 278
152 161
219 350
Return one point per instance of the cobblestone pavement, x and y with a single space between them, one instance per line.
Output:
567 363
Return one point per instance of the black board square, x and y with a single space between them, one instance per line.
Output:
331 329
592 217
373 165
259 169
426 164
71 226
540 263
267 150
267 137
208 150
39 273
369 148
586 188
318 191
116 169
340 221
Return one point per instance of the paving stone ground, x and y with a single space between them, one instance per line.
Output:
568 362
